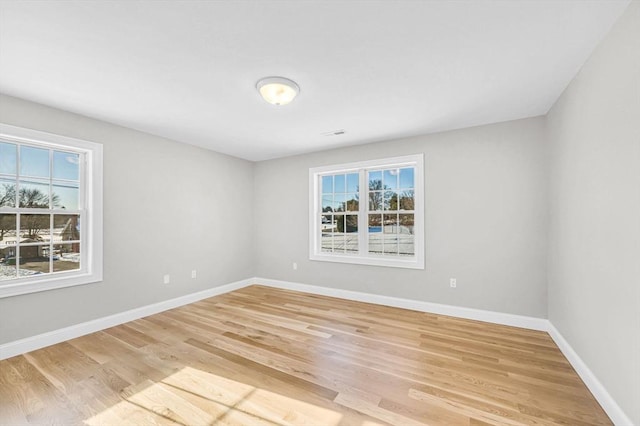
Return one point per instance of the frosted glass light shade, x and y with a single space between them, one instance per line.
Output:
277 90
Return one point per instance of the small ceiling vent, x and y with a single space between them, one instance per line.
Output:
334 133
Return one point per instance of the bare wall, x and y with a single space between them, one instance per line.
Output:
594 250
168 208
486 220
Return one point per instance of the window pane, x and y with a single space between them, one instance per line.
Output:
328 227
390 180
66 165
7 193
407 200
376 201
353 182
66 257
405 235
339 183
375 223
34 260
390 223
351 223
34 162
7 230
338 236
390 200
327 184
375 180
375 233
339 202
352 202
390 231
66 196
66 227
327 203
406 178
7 246
8 268
35 228
406 245
8 158
351 229
406 223
34 194
390 245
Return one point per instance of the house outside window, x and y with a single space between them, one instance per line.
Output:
50 211
369 212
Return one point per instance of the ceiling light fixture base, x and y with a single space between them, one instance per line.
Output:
277 90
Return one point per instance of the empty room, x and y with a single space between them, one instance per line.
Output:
320 212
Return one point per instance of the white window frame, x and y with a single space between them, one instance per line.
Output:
363 257
91 224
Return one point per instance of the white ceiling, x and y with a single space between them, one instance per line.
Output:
187 70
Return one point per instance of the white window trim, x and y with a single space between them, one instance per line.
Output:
363 258
92 220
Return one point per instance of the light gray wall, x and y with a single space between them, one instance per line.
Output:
594 250
486 220
168 208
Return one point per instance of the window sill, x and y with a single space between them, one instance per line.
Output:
408 263
48 283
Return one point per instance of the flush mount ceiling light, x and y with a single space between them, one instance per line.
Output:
277 90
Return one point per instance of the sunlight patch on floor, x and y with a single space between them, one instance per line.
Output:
194 397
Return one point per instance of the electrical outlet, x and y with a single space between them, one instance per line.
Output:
194 273
295 266
453 283
167 279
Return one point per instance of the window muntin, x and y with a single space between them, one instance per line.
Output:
50 211
368 212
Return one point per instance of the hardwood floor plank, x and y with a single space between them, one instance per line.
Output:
261 356
130 336
12 398
255 366
40 401
375 411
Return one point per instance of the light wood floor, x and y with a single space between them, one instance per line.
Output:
266 356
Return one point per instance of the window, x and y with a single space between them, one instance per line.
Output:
368 212
50 211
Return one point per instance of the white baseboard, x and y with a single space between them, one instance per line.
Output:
416 305
32 343
608 404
